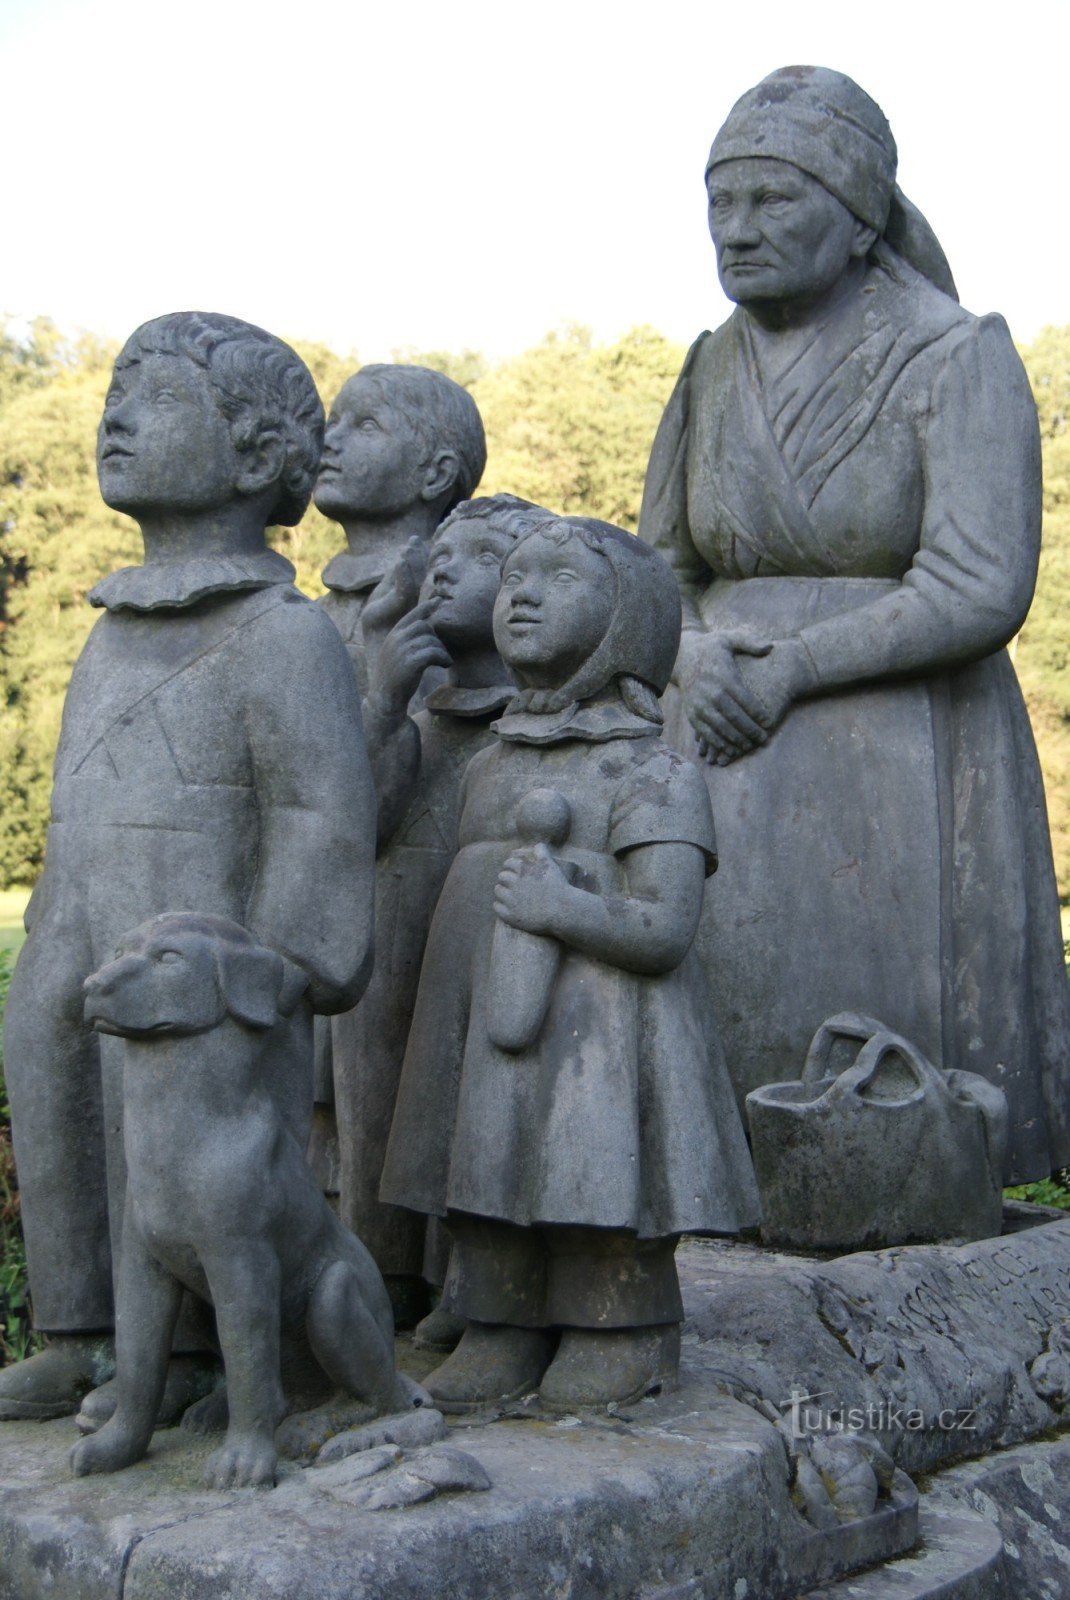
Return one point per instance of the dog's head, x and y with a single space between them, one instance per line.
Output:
180 974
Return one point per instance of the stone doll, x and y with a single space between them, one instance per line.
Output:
210 761
403 446
418 761
568 1166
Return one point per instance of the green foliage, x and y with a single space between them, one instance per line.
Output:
569 424
1043 654
1048 1192
16 1337
465 367
56 540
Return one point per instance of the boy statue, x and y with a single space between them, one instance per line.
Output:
210 761
403 446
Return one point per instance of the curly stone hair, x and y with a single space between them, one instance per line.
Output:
259 383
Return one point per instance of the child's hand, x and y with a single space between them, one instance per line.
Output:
397 592
531 891
404 656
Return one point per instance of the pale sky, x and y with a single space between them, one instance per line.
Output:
468 174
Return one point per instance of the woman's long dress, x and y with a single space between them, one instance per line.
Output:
873 488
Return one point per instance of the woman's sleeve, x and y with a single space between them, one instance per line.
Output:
663 520
971 583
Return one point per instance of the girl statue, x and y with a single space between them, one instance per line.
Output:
570 1139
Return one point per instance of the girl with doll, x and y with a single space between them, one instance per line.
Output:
564 1101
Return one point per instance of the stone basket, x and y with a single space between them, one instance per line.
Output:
891 1150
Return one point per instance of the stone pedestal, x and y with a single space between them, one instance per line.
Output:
722 1488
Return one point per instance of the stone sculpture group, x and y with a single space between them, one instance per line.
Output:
249 1127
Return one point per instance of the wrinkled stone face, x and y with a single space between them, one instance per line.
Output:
463 576
373 461
158 983
553 609
779 234
163 442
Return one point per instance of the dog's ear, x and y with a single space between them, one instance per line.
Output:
250 979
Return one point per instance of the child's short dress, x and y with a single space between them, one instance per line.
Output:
621 1114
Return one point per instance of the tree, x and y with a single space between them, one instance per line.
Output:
1043 654
569 424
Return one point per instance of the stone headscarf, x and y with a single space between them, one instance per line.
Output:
640 644
824 124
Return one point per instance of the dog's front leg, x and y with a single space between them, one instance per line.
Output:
147 1310
245 1282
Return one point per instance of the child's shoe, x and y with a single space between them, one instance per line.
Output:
598 1368
493 1363
439 1330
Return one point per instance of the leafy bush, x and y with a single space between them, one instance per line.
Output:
16 1338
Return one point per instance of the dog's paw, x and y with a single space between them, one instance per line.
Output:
107 1451
247 1463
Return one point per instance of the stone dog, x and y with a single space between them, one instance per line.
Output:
220 1199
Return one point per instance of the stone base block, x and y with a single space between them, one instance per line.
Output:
811 1393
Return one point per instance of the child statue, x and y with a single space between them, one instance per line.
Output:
403 446
191 776
568 1165
418 761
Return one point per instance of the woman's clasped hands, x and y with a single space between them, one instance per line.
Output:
737 688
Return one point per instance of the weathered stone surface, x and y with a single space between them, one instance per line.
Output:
189 778
563 1101
410 1429
850 581
961 1559
1024 1494
416 1479
346 1479
594 1505
419 745
932 1350
403 446
874 1146
696 1494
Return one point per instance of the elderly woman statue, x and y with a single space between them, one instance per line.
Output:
847 482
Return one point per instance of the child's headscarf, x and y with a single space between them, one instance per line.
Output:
639 646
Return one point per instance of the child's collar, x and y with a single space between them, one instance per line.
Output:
173 585
453 701
592 721
350 574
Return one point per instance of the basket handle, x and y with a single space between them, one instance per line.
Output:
871 1058
844 1025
